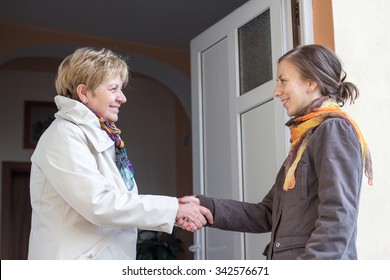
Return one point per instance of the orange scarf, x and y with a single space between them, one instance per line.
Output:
302 127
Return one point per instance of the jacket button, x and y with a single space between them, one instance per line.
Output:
90 256
277 244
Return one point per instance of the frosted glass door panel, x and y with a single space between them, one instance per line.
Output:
216 132
258 164
254 39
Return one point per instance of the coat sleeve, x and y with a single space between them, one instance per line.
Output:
338 163
65 159
240 216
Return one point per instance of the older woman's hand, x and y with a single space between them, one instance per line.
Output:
191 216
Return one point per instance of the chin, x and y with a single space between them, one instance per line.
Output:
112 120
292 112
111 117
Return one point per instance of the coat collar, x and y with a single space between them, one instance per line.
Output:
77 113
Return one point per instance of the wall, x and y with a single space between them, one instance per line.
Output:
17 38
362 42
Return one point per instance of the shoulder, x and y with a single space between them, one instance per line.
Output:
335 136
59 139
61 133
65 128
335 123
334 128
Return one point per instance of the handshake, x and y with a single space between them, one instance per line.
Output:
191 216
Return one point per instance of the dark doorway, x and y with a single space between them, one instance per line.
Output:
15 210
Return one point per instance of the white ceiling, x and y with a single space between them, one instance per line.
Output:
165 23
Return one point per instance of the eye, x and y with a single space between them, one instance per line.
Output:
114 89
281 81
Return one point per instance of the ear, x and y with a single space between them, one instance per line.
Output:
82 93
312 86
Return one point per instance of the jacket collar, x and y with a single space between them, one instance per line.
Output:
79 114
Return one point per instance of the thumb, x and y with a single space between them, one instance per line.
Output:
189 199
207 213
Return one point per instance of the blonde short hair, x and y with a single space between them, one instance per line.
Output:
90 67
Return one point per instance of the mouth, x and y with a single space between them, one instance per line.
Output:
284 101
114 108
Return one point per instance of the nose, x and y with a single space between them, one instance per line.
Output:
277 90
121 97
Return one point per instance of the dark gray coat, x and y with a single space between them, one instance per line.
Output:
318 218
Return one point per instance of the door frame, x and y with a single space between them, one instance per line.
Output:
19 248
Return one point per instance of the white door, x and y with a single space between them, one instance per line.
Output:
239 137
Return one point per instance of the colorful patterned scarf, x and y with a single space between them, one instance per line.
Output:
302 127
121 159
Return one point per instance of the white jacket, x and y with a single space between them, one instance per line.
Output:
81 208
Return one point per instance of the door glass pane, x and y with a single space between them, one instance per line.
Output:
255 52
258 166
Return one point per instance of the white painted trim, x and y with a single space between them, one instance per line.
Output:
197 145
306 19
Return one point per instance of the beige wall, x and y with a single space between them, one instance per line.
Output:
358 31
16 38
362 41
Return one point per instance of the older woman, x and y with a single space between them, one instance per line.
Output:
85 202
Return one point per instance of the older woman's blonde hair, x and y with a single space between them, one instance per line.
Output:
90 67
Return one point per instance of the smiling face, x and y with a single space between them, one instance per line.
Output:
295 92
105 100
